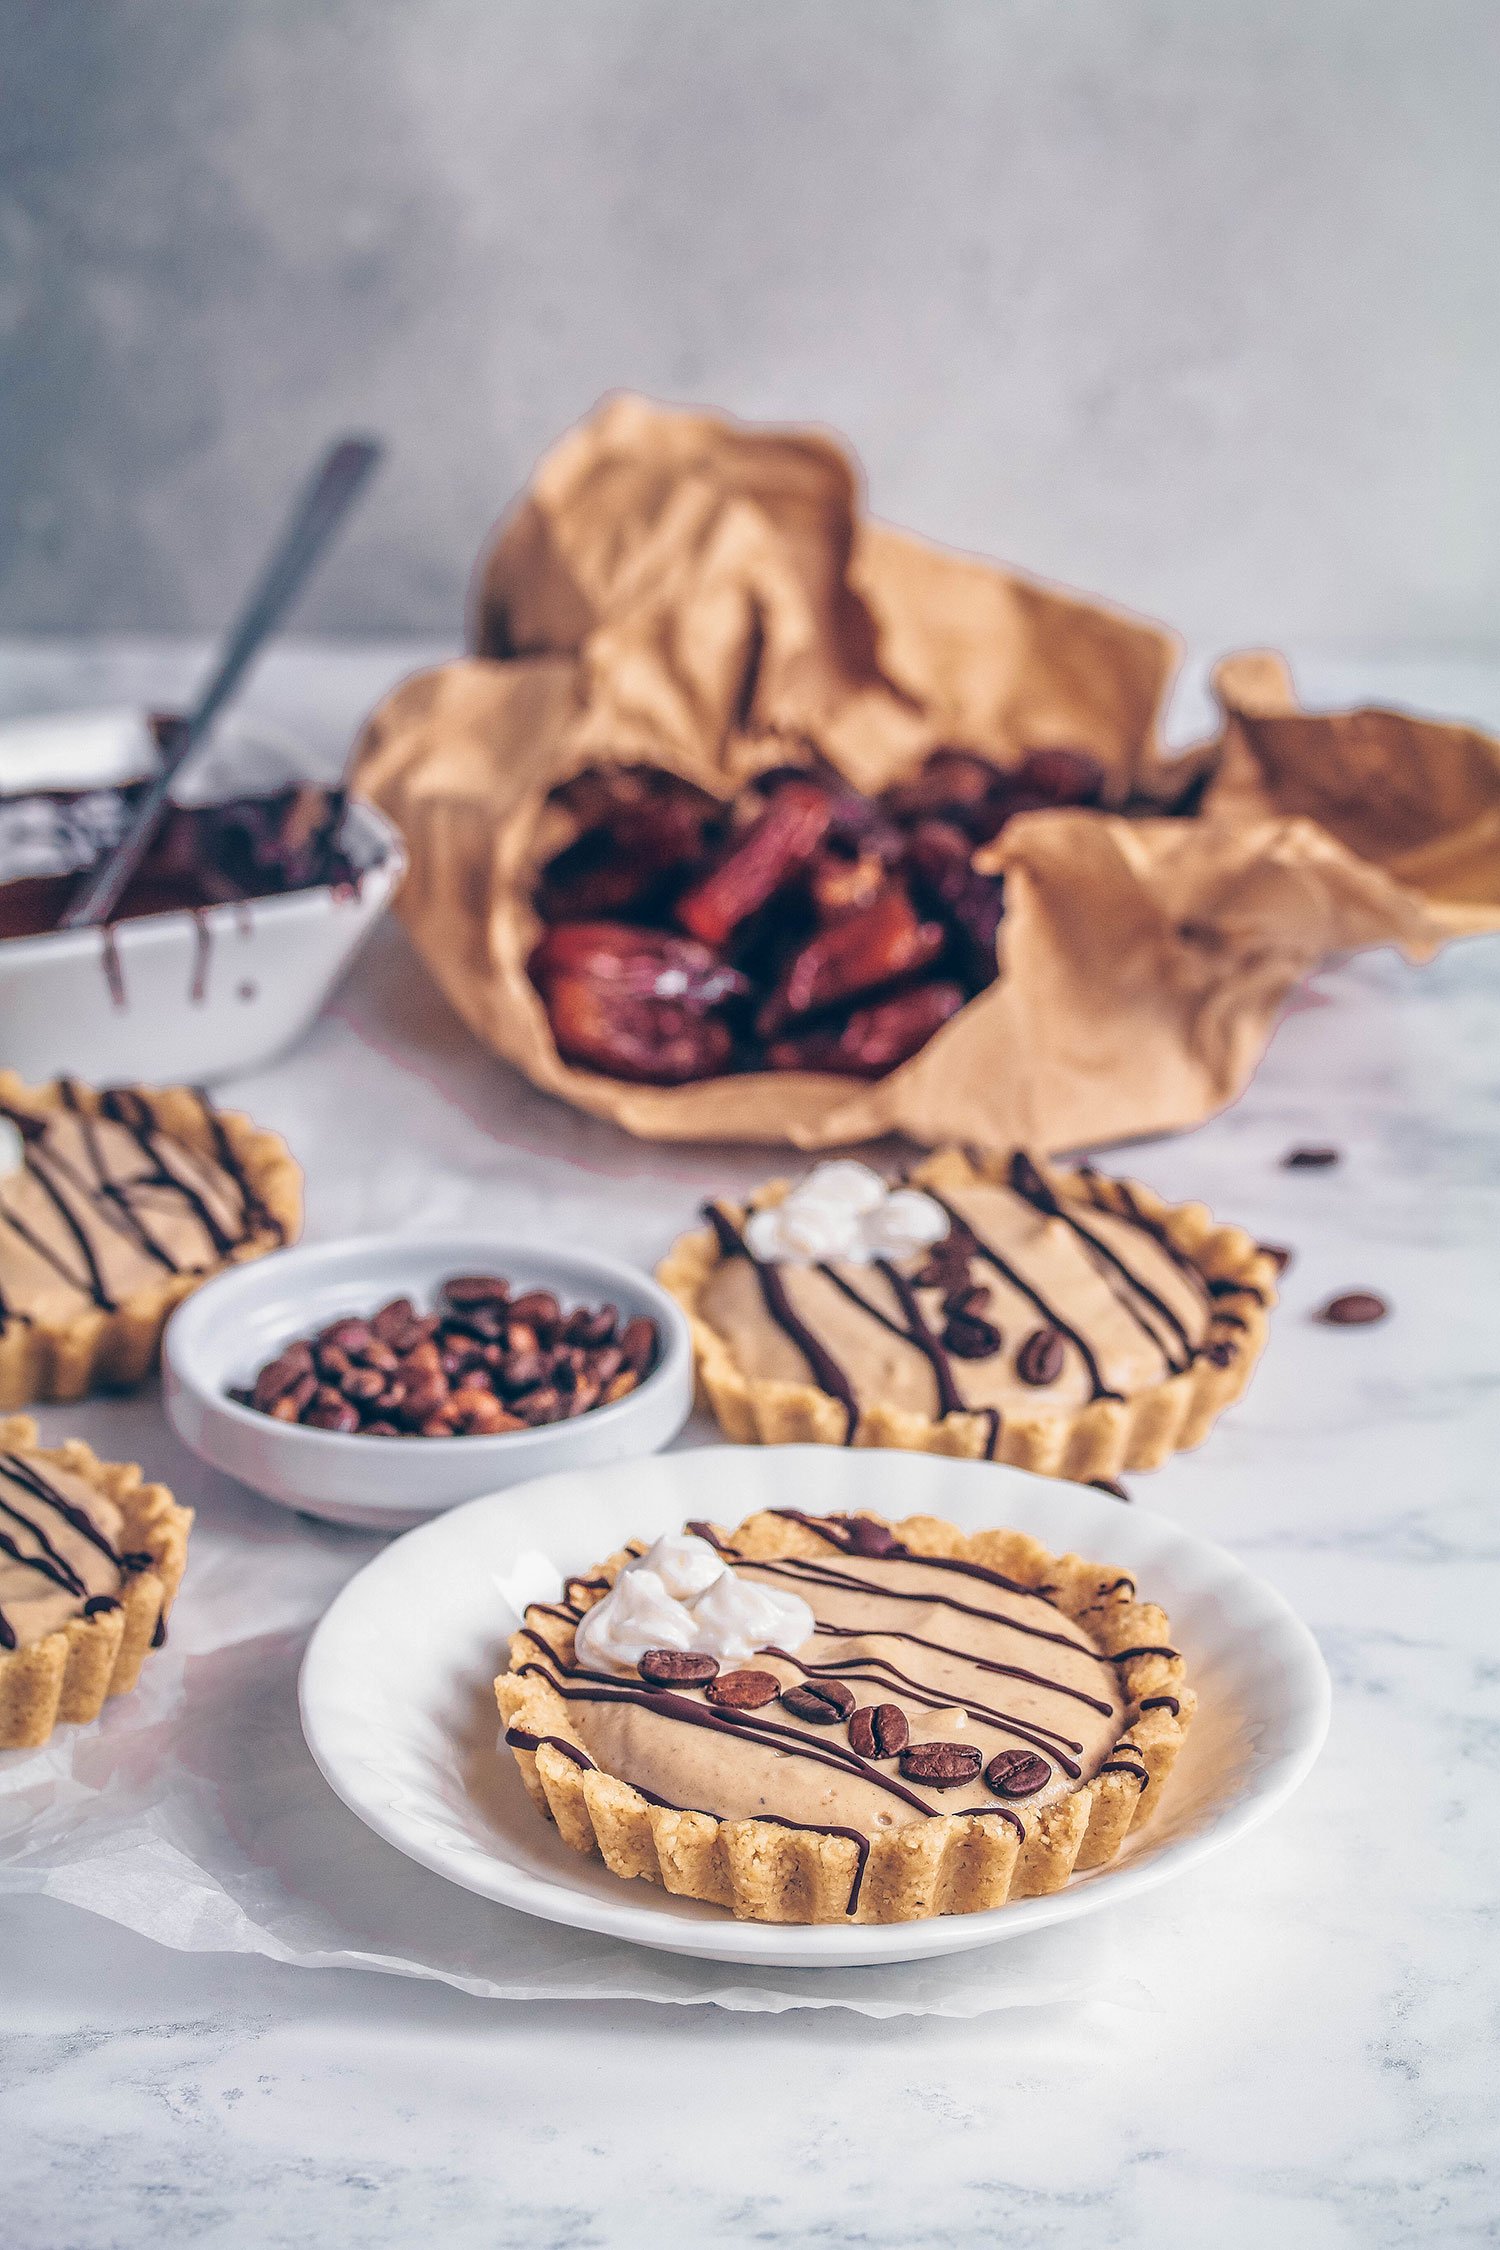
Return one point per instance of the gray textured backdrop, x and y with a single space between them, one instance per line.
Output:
1191 302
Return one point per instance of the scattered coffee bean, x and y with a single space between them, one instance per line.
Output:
941 1765
1040 1359
1108 1484
879 1730
821 1702
1355 1309
972 1298
969 1337
743 1691
1016 1773
1309 1159
678 1667
483 1365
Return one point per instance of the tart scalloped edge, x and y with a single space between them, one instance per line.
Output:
954 1863
1093 1441
97 1349
69 1674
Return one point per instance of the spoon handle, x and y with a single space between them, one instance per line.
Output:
313 523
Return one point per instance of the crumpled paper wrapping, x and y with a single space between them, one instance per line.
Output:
193 1814
681 590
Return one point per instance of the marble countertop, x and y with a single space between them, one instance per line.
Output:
1311 2058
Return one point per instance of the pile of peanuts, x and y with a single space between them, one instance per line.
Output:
484 1362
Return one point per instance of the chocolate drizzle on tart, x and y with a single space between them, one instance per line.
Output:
1109 1306
57 1558
107 1202
979 1749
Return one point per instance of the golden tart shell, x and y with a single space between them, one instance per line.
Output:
949 1864
1094 1441
53 1359
69 1674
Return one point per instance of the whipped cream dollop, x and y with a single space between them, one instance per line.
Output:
682 1594
12 1148
844 1211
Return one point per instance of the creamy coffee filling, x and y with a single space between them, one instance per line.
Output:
59 1549
103 1206
967 1658
1075 1302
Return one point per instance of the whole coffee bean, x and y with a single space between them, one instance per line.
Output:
339 1416
424 1358
972 1298
381 1429
1309 1159
466 1290
941 1765
677 1667
1355 1309
969 1337
638 1343
821 1702
585 1327
743 1691
1016 1773
879 1730
394 1319
377 1355
544 1405
347 1335
540 1310
274 1381
522 1371
362 1385
1040 1359
605 1365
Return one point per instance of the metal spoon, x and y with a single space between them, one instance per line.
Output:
313 523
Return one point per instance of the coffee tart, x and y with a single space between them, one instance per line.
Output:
90 1561
834 1718
991 1308
114 1205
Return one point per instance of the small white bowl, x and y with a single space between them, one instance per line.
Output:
187 997
227 1331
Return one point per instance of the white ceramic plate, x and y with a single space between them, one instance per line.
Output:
398 1707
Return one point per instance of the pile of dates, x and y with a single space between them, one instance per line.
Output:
805 926
485 1361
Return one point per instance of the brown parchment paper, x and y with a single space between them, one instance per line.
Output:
686 591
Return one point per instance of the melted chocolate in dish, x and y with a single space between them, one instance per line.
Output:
1002 1695
106 1203
202 855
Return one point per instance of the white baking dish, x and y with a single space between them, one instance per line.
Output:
190 996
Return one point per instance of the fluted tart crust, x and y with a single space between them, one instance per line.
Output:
1158 1312
90 1563
127 1200
1079 1711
